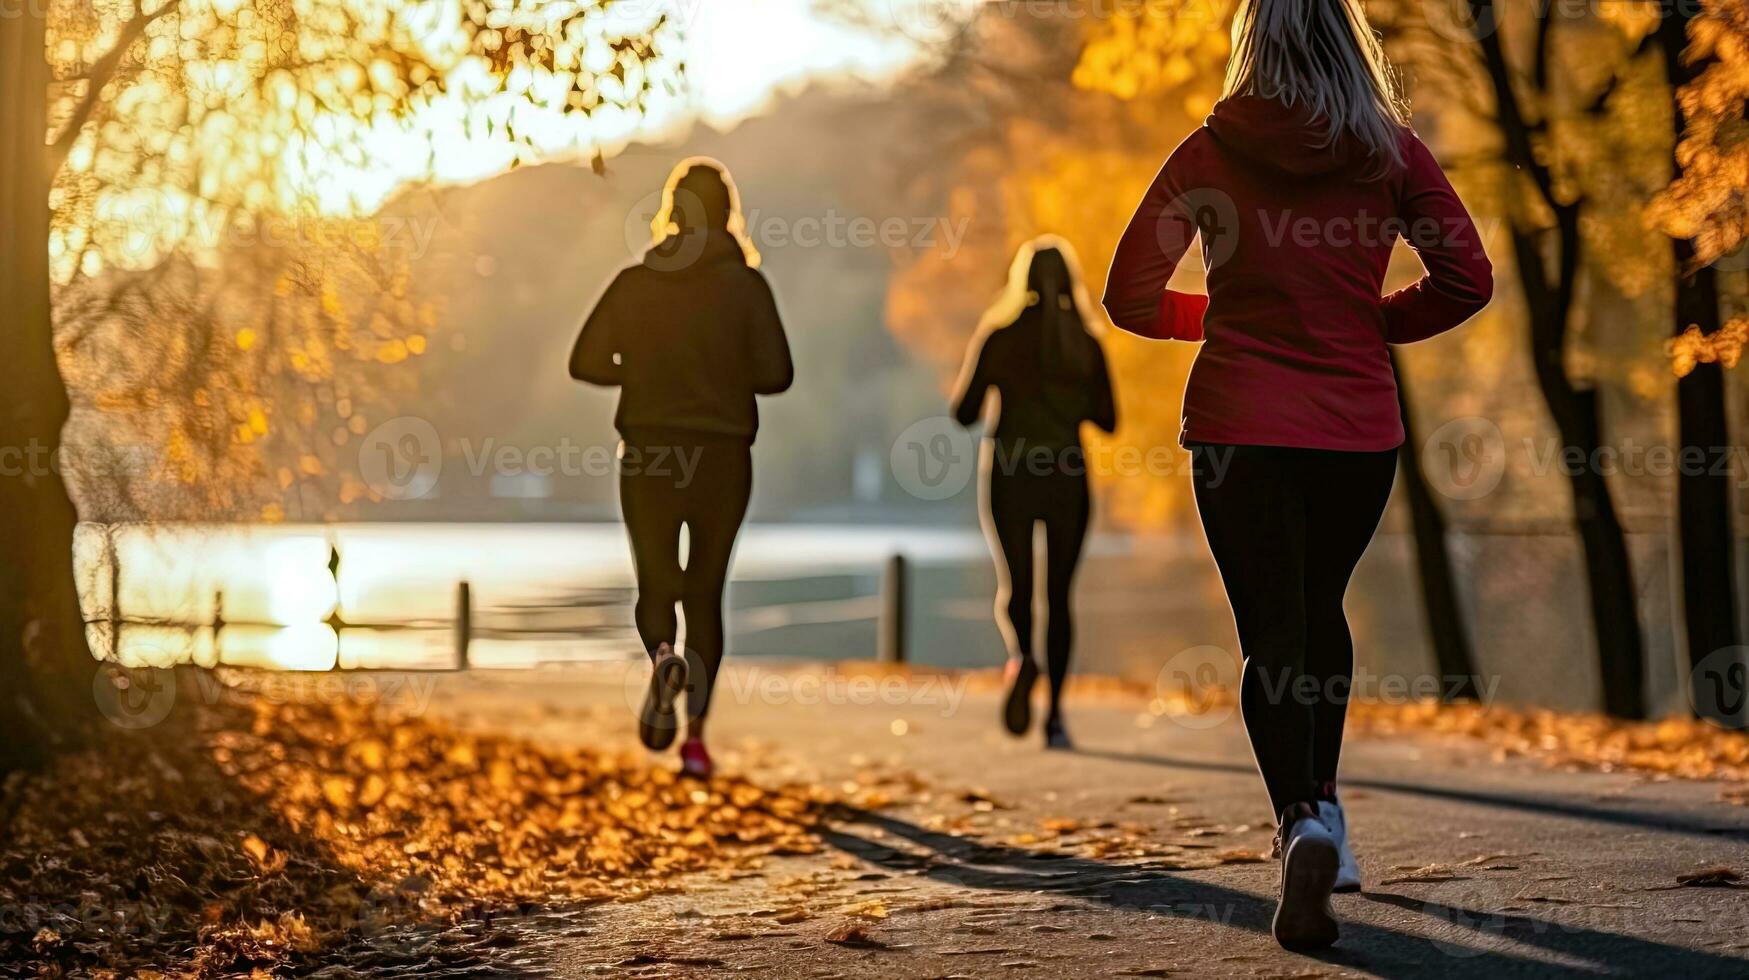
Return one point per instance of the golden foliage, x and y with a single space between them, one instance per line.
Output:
1681 747
1706 201
233 302
1151 52
256 381
1725 346
240 837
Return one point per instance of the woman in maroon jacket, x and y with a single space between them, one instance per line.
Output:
1299 185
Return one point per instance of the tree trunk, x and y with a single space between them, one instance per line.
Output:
45 665
1703 497
1549 298
1445 620
1578 419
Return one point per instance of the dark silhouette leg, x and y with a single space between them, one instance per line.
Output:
653 517
1065 532
1345 497
717 502
1011 523
1254 516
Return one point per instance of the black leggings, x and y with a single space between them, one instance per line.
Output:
1286 527
704 483
1057 498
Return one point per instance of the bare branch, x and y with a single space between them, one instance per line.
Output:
100 74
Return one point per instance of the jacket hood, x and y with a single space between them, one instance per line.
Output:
1282 137
687 249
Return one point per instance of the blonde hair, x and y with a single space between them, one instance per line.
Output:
664 226
1017 293
1323 55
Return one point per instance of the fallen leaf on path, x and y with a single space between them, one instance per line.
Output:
1720 877
853 934
1482 859
874 908
1425 874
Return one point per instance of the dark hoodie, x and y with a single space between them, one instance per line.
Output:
1295 240
690 335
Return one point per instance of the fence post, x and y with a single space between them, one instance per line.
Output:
464 623
891 631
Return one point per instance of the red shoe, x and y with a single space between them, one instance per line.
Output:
695 761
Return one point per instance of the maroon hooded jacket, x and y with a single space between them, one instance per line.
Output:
1295 239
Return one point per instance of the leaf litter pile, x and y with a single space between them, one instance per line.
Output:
271 838
1685 748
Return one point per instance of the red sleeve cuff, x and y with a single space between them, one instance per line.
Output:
1181 316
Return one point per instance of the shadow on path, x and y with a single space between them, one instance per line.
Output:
1546 805
1466 941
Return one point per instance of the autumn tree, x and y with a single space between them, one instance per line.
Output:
142 138
1705 51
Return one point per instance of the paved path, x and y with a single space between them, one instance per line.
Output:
1135 855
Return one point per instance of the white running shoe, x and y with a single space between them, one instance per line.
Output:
1347 868
1303 920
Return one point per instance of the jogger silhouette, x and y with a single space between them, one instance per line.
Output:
1049 375
690 335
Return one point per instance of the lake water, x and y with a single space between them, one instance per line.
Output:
553 593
